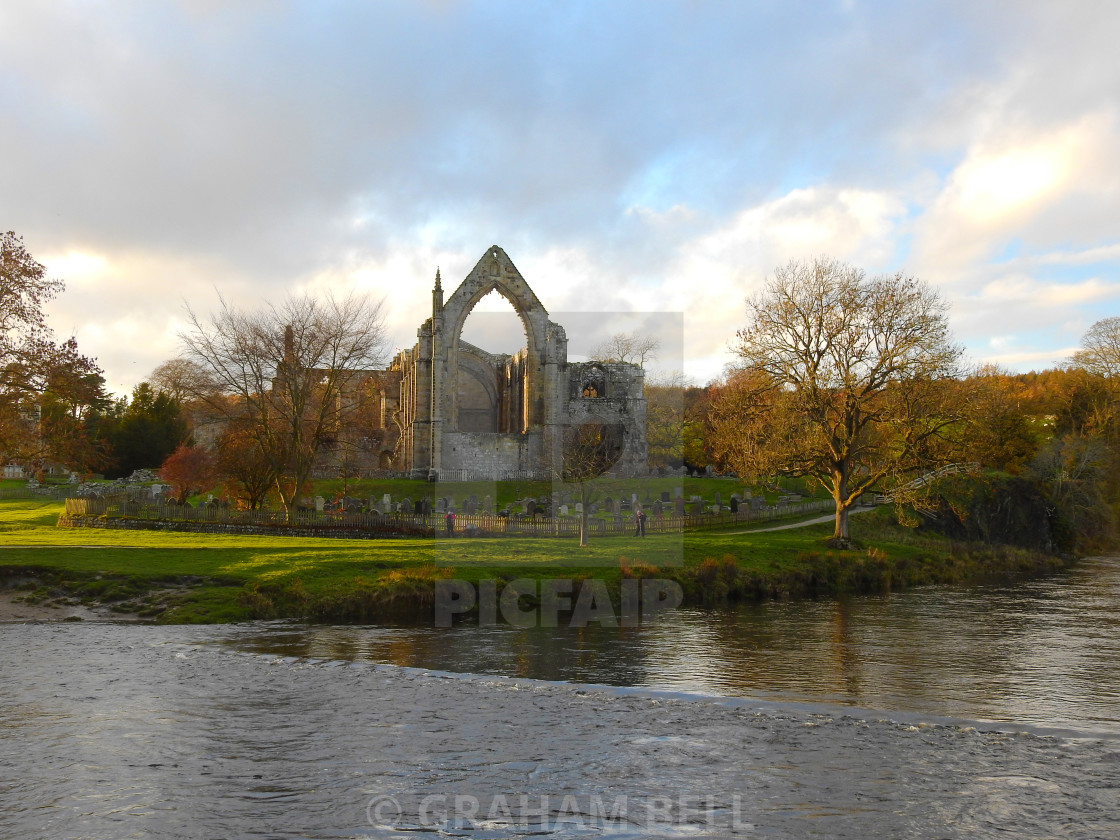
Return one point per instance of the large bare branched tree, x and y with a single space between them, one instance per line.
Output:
1100 349
288 375
845 379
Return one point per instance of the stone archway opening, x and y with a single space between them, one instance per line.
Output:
491 355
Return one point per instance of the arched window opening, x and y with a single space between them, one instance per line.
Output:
490 375
594 382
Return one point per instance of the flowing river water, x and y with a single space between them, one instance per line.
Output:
941 713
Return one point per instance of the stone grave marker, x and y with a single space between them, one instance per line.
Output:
319 502
406 506
387 501
734 504
678 506
608 505
665 497
563 510
678 492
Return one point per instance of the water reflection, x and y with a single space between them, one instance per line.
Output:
1045 652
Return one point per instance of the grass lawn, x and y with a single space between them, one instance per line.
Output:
182 577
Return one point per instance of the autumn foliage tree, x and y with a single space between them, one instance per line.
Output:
189 470
48 391
844 379
247 473
284 374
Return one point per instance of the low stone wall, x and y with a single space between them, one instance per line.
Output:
270 530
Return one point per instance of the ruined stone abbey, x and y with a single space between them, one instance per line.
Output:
451 411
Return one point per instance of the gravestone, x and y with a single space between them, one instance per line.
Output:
470 506
487 506
563 510
678 492
387 501
319 502
633 498
608 505
530 506
592 509
657 507
665 497
756 504
406 506
678 506
473 500
719 498
734 504
697 508
625 507
441 505
579 507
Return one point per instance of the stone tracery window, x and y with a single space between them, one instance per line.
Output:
594 382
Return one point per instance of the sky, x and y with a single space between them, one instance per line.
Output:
636 157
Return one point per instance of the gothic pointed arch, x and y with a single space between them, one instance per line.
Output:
495 271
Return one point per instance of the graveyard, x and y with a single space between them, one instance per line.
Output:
214 577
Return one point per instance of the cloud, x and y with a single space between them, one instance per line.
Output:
1042 189
628 156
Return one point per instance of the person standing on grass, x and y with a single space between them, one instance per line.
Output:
449 520
637 521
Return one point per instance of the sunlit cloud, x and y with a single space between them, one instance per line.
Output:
632 157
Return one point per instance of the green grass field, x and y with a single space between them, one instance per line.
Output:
174 577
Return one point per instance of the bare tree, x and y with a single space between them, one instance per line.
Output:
288 375
181 379
590 450
1100 349
627 347
844 379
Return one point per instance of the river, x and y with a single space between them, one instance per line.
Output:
943 712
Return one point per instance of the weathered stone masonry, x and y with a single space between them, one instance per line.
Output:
453 411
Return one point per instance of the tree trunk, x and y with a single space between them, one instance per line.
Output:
841 530
840 496
583 494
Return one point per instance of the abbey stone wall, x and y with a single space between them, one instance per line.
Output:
454 411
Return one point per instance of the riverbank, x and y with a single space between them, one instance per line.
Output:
193 578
